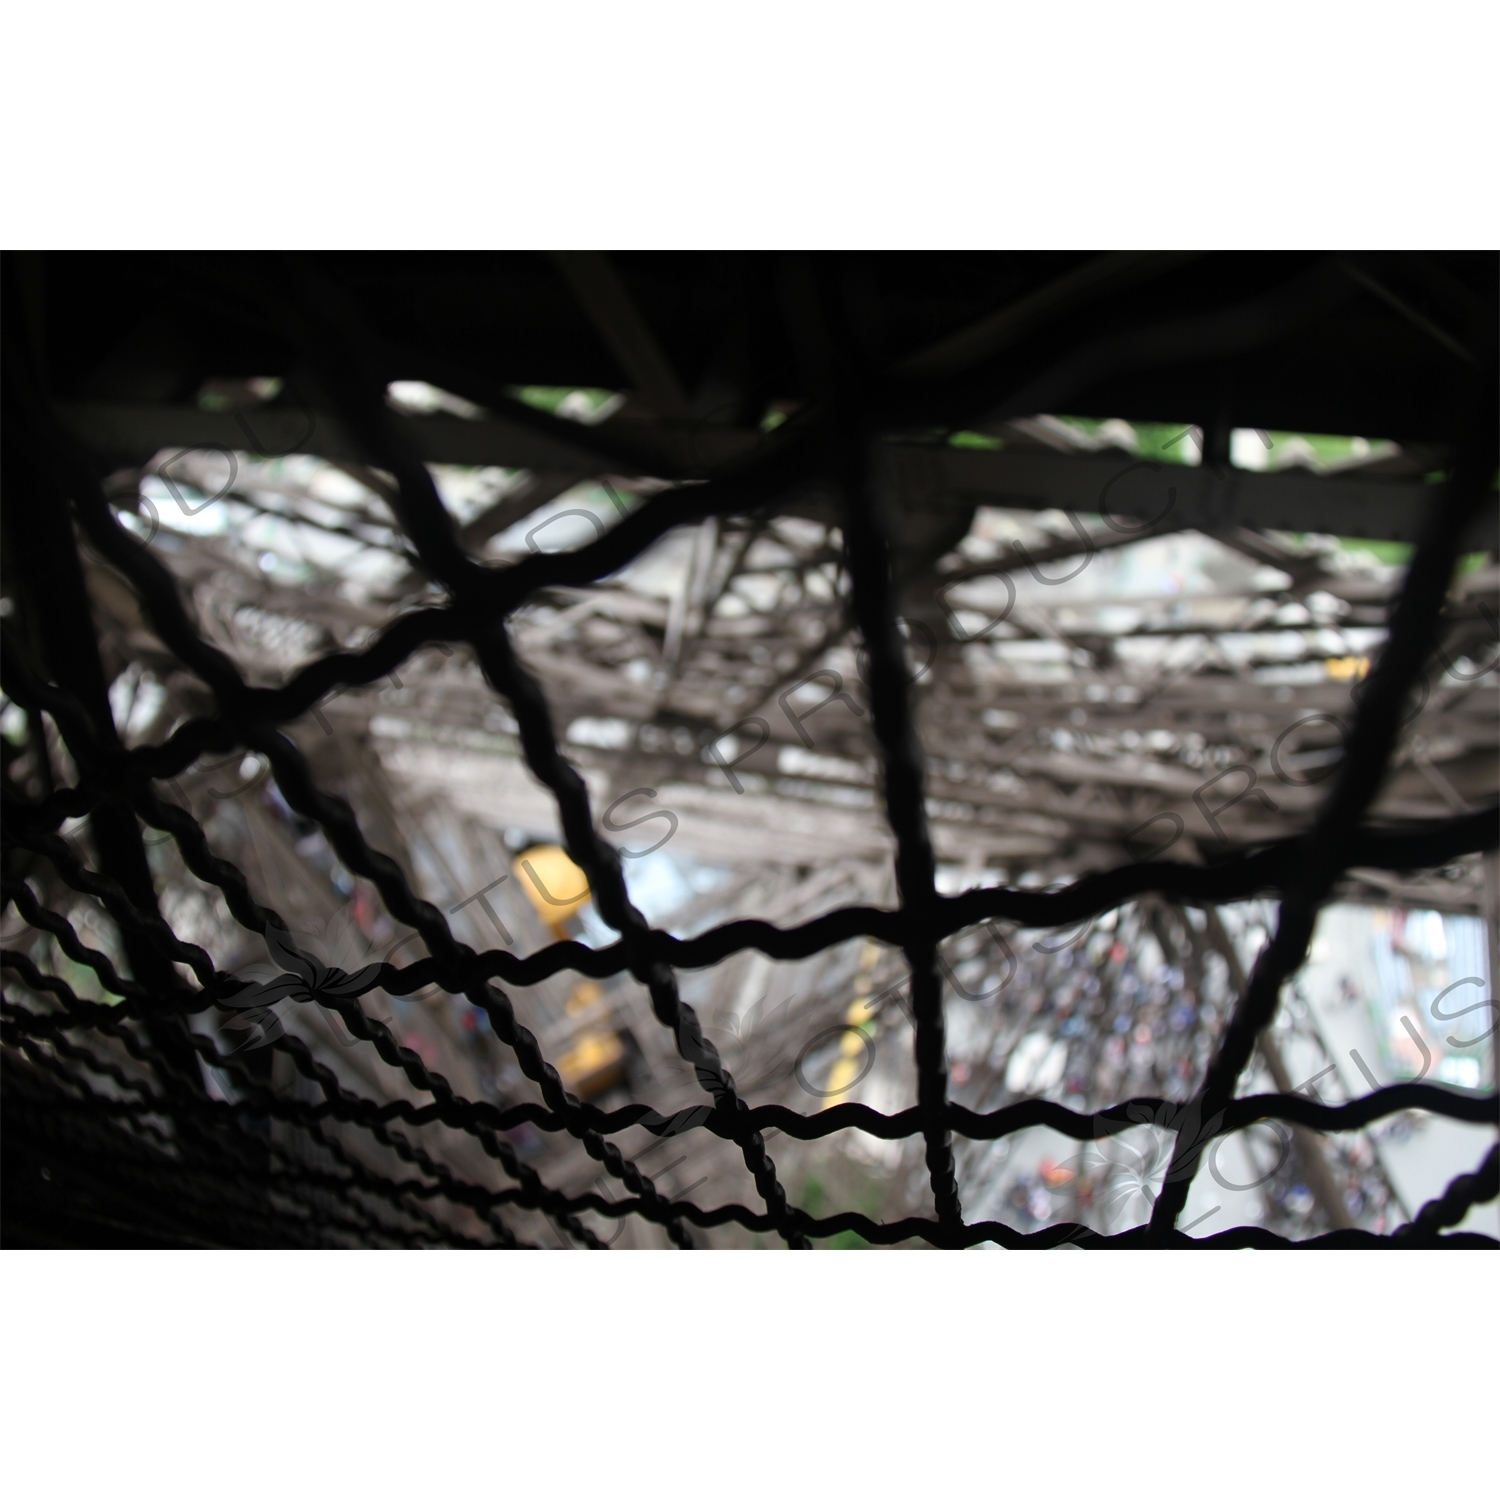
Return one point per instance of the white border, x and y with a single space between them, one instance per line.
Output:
243 1374
813 123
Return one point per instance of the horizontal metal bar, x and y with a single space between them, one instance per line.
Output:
1128 492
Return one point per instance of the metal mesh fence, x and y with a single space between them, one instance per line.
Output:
115 1090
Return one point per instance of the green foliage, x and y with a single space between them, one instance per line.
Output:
814 1196
81 979
1327 448
1157 442
1165 442
548 398
847 1239
815 1202
1394 554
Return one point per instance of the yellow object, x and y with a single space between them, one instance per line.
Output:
586 995
847 1065
557 887
1347 668
592 1063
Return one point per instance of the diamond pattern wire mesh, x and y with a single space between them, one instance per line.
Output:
194 1169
